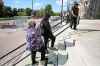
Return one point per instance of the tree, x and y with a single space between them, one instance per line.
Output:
8 11
1 9
55 14
42 11
38 13
28 11
21 13
14 12
48 9
21 10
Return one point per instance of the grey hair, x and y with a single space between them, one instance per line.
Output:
31 22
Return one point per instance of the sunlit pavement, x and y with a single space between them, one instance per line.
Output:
87 45
10 39
85 52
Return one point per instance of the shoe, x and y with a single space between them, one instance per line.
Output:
53 48
74 28
44 59
35 62
71 27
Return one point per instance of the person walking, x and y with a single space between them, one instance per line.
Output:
34 41
75 15
47 31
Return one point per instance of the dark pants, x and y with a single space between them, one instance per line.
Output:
46 39
33 54
73 23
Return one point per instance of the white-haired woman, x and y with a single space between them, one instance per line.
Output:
34 40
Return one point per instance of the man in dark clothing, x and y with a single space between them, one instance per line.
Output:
47 31
75 13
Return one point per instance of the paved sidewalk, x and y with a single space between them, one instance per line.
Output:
86 51
11 39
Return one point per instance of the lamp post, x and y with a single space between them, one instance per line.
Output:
32 8
68 5
32 4
62 12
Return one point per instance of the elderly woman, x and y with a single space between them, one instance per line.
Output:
34 40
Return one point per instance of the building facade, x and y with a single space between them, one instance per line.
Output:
89 8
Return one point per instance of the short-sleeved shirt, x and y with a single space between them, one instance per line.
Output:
75 11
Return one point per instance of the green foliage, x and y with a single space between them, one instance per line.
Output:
28 11
1 9
55 14
9 12
21 10
21 13
48 9
14 11
6 11
40 13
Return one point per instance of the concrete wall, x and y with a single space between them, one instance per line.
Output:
1 2
89 8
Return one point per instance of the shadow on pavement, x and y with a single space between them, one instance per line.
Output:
59 56
32 65
89 30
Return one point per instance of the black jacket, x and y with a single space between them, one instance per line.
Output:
45 27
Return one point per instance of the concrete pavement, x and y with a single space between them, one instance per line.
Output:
10 40
87 45
85 52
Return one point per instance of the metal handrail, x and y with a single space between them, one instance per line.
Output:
12 51
13 58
